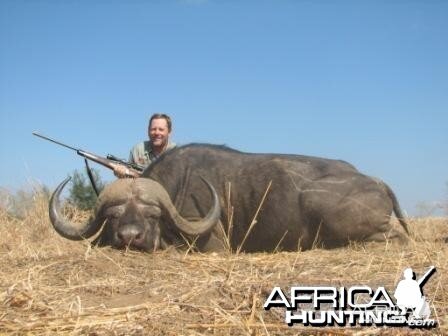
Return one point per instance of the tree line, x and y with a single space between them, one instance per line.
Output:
80 195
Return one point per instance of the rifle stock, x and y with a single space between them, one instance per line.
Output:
95 158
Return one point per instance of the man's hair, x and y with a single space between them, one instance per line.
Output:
161 116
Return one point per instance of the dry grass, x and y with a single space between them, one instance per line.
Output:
49 285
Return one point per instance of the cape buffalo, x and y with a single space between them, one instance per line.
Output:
254 202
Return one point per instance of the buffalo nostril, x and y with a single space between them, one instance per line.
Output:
123 238
129 234
139 240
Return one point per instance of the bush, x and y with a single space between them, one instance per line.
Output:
82 195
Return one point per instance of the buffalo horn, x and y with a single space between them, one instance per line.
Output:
64 227
194 228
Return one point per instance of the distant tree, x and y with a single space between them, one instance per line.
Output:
426 209
445 201
81 194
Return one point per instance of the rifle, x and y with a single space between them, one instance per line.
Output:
109 162
425 276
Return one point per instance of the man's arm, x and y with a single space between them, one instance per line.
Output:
121 171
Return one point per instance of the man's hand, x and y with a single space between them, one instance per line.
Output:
121 171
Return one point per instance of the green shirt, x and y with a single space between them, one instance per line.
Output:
143 155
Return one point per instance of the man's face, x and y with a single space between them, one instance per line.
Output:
158 132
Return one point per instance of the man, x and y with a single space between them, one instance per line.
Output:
143 153
409 294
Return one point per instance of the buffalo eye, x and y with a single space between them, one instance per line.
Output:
151 213
113 213
150 216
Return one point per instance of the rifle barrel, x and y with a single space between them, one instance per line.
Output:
56 142
426 275
106 162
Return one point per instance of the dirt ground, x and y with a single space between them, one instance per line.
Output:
49 285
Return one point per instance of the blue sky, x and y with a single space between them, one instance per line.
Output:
363 81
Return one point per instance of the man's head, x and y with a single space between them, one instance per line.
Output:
408 273
159 130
